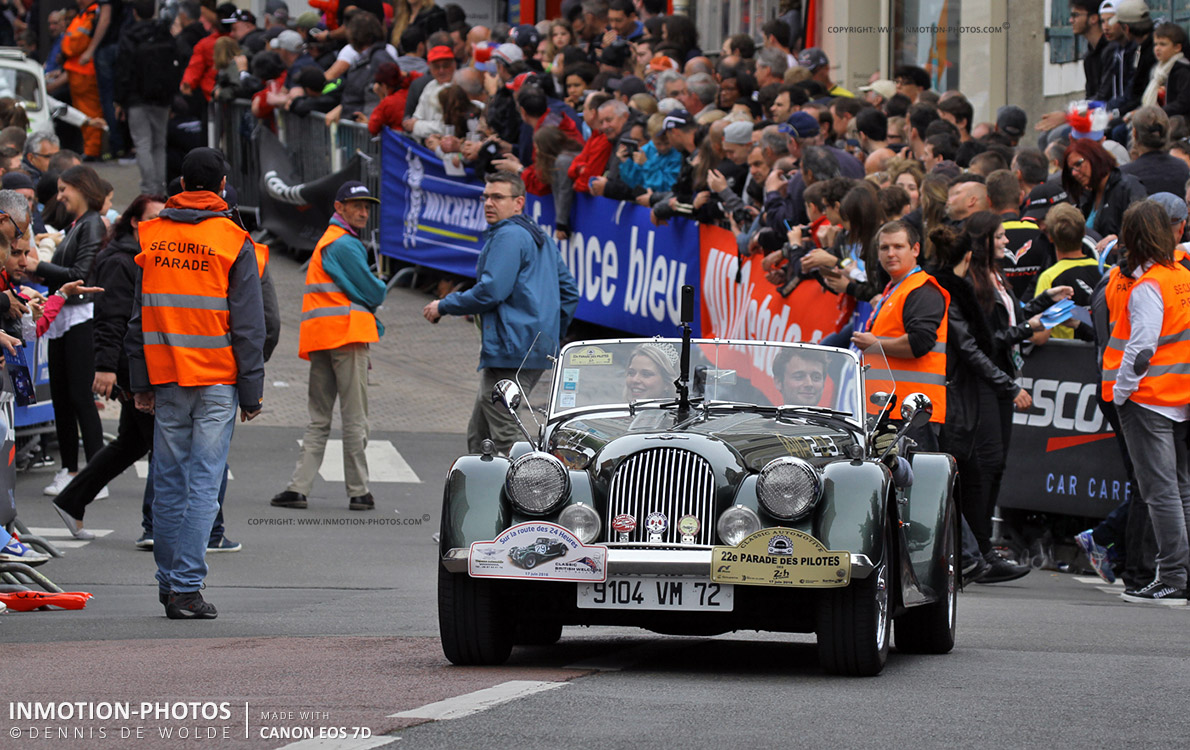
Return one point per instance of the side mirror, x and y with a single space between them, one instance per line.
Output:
917 409
507 392
881 399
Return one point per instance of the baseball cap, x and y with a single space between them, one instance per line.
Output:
288 40
441 52
1131 11
662 62
307 20
1011 119
203 168
240 15
1042 198
738 133
278 9
17 181
812 58
1107 6
628 86
804 124
508 54
679 119
886 88
525 35
354 190
516 83
1174 206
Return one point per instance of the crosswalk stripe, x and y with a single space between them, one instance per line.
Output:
385 463
53 532
142 471
478 700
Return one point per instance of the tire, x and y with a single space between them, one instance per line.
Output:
473 621
854 622
930 628
531 561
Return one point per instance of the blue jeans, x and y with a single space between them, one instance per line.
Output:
147 506
190 443
105 75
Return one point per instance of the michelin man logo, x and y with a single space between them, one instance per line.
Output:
413 177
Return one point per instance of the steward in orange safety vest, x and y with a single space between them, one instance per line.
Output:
197 318
913 337
334 316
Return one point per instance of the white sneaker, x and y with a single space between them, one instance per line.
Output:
18 551
103 493
61 479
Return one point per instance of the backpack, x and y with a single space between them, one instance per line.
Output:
160 70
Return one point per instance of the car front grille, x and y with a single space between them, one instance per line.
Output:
670 481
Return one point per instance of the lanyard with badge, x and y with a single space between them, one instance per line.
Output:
888 292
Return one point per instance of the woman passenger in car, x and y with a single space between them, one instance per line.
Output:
652 370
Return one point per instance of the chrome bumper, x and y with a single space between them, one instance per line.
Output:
668 562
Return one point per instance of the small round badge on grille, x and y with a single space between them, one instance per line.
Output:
688 526
623 524
656 523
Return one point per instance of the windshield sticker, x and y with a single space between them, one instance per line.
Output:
570 379
566 400
588 356
781 557
540 550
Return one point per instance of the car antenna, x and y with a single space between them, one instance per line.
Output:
683 381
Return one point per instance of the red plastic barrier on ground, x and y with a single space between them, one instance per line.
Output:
752 309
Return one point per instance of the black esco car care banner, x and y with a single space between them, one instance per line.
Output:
296 213
1064 456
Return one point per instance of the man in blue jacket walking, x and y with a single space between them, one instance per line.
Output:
525 297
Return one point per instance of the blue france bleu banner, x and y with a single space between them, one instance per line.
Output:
629 272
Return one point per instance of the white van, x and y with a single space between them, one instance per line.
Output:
23 79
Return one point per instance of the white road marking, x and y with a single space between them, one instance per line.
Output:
53 532
479 700
350 743
1117 590
385 463
1097 581
142 471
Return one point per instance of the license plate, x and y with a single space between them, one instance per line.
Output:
657 593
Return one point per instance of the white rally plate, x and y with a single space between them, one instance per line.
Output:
662 593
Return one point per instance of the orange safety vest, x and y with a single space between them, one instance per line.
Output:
262 257
330 319
926 373
184 311
76 40
1167 382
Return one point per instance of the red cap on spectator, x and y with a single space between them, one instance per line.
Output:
441 52
661 62
516 83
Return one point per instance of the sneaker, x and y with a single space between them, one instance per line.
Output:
1157 593
145 542
363 502
72 523
189 606
224 545
288 499
61 479
1000 570
103 494
18 551
1097 555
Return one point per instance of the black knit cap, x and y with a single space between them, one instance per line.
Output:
204 169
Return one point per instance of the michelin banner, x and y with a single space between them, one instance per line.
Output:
629 272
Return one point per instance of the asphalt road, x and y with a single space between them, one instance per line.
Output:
333 625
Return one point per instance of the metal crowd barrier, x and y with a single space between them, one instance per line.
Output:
316 149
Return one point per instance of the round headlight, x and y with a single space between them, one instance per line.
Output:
736 523
536 483
582 520
788 487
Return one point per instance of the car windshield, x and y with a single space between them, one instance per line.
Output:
20 85
638 371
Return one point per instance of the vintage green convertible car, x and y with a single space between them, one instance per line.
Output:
701 487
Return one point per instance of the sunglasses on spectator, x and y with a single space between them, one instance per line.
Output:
19 232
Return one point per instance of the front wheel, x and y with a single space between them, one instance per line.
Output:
473 620
930 628
853 622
